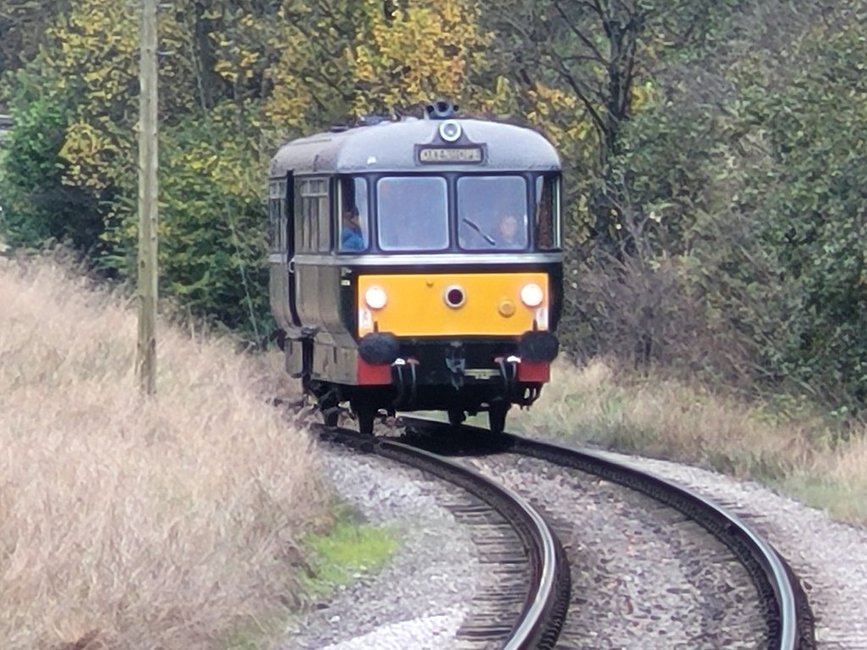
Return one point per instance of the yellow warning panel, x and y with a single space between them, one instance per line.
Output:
467 304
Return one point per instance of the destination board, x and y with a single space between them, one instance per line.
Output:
432 155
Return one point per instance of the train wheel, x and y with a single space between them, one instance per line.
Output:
330 409
331 416
456 416
366 418
497 416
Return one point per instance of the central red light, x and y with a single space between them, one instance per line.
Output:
455 296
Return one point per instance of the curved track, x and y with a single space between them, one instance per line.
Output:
546 597
789 618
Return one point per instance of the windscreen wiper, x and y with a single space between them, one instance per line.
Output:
475 226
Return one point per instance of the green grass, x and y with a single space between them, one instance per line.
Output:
334 557
342 553
788 443
840 501
265 634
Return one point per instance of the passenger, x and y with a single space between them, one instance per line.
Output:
509 232
351 237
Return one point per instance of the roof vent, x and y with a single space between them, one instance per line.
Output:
441 109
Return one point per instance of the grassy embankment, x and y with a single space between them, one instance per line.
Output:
786 445
173 522
178 522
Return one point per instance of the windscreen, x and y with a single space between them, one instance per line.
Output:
492 213
412 213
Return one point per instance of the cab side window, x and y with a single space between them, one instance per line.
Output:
547 226
354 234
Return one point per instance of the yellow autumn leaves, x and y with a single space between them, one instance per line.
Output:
288 70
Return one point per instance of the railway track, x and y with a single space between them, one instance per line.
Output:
524 603
785 616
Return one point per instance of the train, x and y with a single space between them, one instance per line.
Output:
417 264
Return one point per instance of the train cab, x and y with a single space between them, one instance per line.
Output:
417 265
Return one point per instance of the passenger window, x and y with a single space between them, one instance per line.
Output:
277 216
412 213
313 220
354 229
492 213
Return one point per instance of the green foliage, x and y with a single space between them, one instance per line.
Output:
23 29
38 206
412 55
212 252
712 148
312 82
584 71
815 208
341 60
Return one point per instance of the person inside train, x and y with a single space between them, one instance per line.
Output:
351 237
509 233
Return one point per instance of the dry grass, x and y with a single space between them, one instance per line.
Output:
127 522
783 445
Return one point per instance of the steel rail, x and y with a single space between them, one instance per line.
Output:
793 628
544 608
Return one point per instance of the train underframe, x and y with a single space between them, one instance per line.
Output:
458 377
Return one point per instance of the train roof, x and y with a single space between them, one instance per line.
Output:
391 146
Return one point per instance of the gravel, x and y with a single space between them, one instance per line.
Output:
421 599
643 576
830 558
436 571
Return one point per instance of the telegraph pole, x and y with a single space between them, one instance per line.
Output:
146 362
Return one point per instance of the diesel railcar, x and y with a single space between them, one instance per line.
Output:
416 264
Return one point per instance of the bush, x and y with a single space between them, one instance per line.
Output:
37 205
212 253
742 244
814 210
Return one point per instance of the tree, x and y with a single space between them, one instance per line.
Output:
413 55
816 205
37 205
23 28
312 82
89 71
594 64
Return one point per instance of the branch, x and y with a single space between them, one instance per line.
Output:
592 6
582 92
579 58
574 29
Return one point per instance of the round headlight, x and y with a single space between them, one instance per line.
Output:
450 131
375 297
532 295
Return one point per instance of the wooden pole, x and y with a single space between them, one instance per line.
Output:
147 202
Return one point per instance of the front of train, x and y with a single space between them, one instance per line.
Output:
455 302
